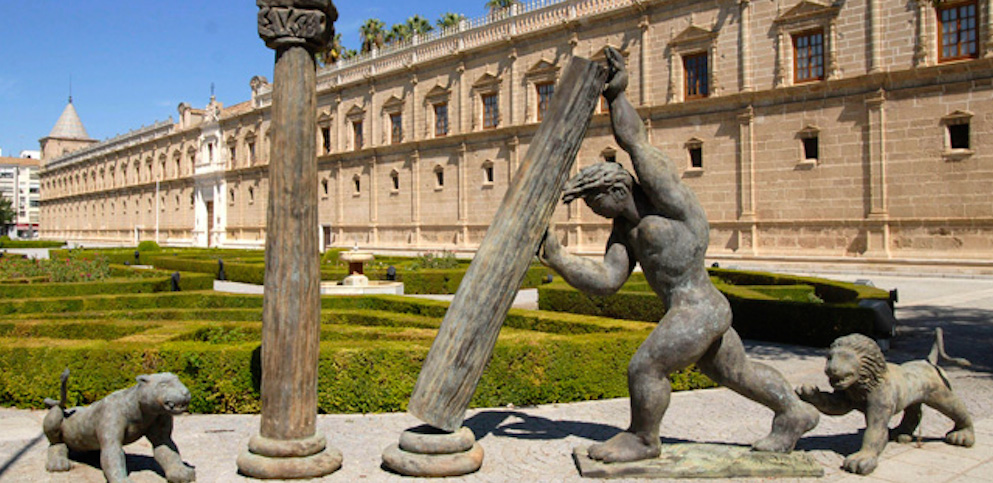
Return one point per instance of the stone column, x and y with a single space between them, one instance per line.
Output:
415 194
875 36
643 65
463 202
987 51
745 46
288 445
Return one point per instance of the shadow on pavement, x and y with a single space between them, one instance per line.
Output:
135 462
777 351
20 453
535 427
968 334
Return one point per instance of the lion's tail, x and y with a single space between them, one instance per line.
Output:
938 351
62 402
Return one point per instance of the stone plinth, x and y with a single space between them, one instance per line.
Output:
428 451
704 460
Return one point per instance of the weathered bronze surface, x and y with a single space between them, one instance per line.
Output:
659 223
469 330
287 445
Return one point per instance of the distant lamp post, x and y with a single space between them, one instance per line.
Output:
288 445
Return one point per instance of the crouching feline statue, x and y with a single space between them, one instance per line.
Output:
862 380
145 409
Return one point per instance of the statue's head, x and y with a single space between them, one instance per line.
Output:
605 187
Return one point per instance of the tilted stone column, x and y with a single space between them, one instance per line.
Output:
288 445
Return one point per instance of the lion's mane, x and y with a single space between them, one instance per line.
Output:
872 363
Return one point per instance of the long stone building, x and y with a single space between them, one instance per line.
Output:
858 128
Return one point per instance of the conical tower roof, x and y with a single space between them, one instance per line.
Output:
69 126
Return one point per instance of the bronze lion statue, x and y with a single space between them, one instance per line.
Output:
145 409
864 381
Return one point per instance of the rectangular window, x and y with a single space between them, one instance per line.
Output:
233 153
808 56
958 136
545 91
696 74
396 128
491 111
326 138
251 155
696 156
440 120
811 148
958 31
357 134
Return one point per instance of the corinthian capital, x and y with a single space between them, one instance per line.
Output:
309 23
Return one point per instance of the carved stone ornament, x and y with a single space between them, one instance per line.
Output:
283 23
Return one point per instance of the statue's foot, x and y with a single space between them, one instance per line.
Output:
624 447
58 458
787 427
961 437
181 474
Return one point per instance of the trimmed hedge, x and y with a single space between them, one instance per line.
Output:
372 350
159 283
31 244
248 266
779 308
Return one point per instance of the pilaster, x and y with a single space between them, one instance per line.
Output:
745 45
747 231
877 226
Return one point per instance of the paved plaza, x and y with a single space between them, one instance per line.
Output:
535 443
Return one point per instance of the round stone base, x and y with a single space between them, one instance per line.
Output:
268 459
427 451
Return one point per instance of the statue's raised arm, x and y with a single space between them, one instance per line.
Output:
657 174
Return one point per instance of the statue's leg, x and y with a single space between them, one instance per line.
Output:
727 364
166 453
113 463
947 403
58 453
675 343
904 432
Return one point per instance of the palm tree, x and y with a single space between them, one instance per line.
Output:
332 52
449 20
398 33
498 7
372 34
419 25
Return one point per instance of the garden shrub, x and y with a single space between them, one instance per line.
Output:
8 243
773 307
372 350
148 246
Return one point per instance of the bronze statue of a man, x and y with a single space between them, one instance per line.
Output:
659 222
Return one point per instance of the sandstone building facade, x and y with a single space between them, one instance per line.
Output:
858 128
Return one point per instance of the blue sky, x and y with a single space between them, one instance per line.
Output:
133 61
